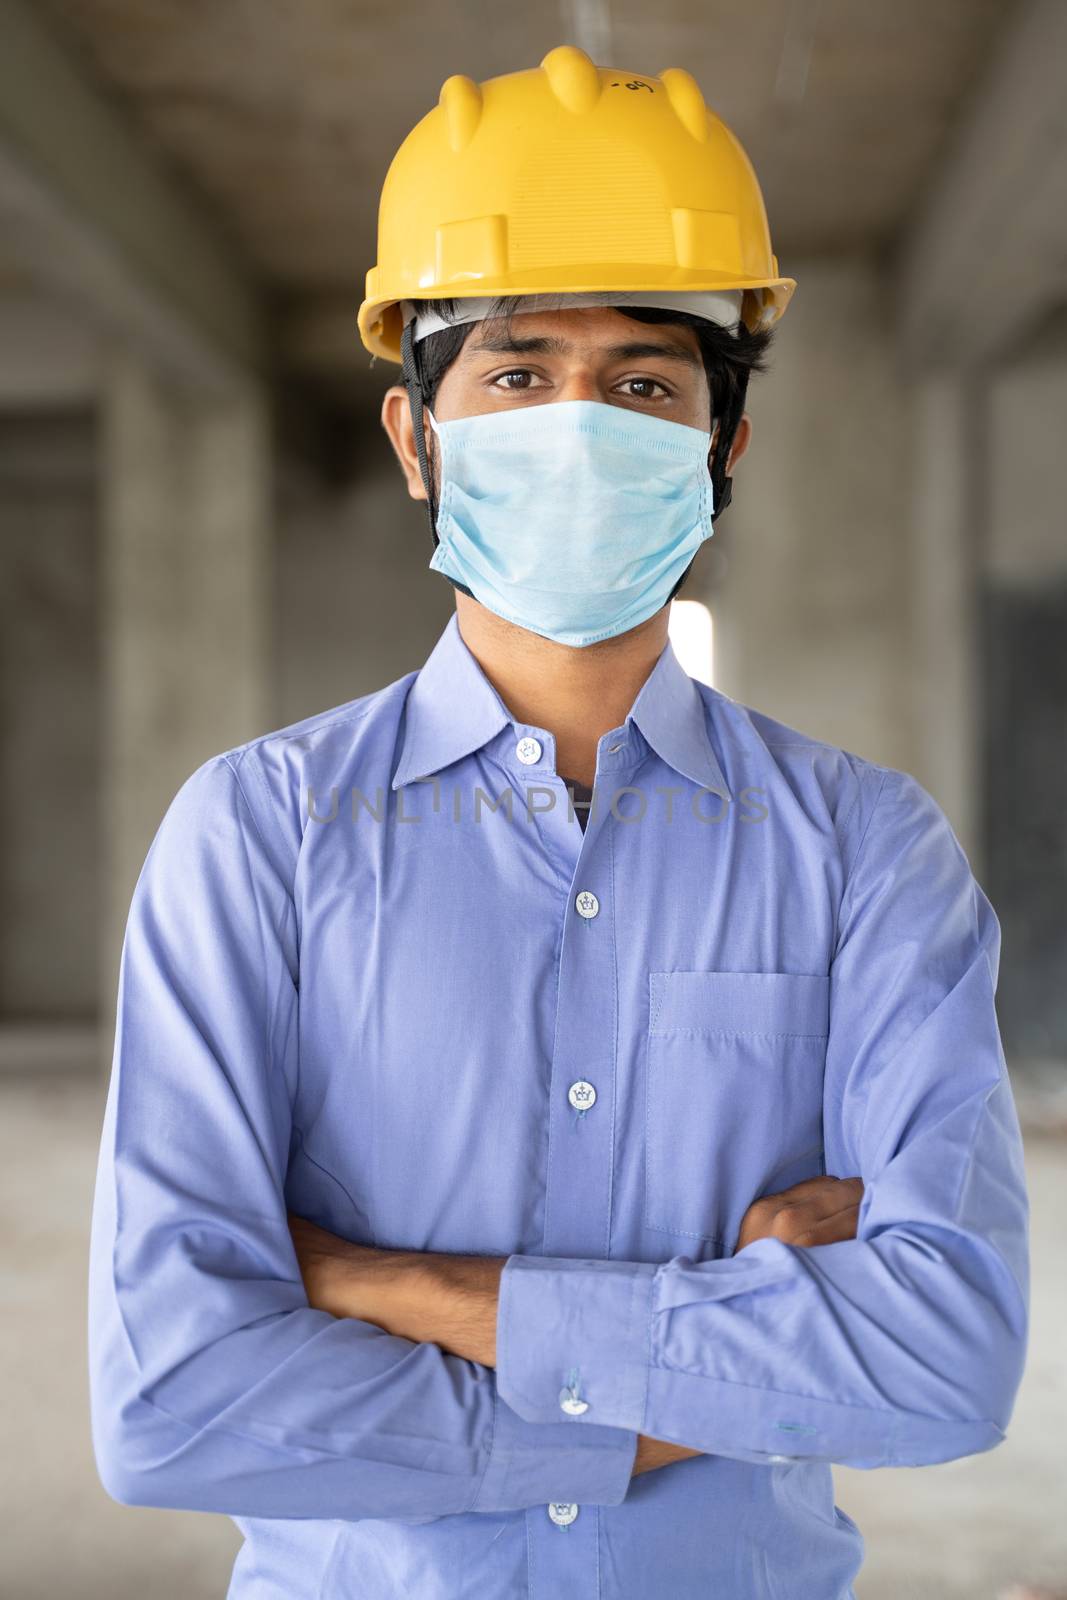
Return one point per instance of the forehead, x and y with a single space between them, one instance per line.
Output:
581 329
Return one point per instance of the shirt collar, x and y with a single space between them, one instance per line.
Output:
452 709
670 712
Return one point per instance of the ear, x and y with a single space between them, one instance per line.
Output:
396 420
742 439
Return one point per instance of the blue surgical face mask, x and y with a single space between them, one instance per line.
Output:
573 518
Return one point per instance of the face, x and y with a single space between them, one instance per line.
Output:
590 353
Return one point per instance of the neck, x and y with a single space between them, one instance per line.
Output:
576 694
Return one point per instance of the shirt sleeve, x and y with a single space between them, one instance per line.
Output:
900 1347
214 1385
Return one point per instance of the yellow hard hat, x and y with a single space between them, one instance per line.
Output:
569 178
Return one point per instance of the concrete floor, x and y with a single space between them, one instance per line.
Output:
966 1530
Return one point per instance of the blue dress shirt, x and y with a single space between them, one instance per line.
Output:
375 974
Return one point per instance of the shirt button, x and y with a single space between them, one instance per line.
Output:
779 1458
572 1406
562 1512
528 751
581 1095
586 903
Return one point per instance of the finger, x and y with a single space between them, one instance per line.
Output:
810 1213
821 1202
829 1230
798 1214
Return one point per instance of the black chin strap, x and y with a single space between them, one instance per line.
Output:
416 400
413 383
722 486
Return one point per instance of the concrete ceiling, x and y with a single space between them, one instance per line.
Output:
284 116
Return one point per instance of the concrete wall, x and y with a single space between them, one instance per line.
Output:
1025 546
1024 690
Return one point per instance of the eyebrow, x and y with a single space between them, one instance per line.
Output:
540 344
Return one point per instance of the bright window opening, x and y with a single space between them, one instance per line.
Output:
690 633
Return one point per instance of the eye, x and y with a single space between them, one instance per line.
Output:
516 372
654 382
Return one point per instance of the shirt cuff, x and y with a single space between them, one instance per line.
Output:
534 1463
572 1340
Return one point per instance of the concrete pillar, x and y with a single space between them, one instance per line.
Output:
948 478
185 601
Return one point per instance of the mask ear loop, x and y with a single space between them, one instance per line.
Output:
416 400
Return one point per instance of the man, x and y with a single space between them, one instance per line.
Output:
557 1111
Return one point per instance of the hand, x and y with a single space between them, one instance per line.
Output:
815 1211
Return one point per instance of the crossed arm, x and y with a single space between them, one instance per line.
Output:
451 1300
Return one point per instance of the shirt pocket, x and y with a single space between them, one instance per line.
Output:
733 1095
